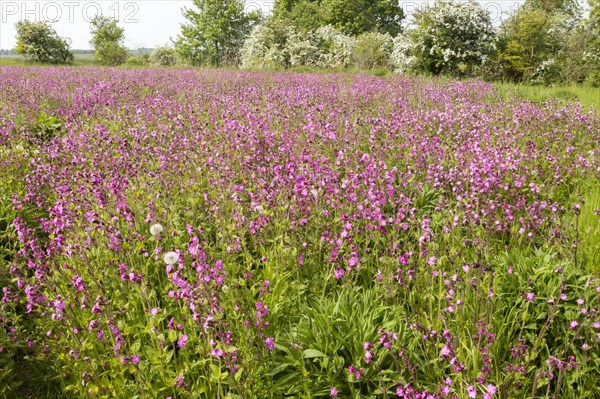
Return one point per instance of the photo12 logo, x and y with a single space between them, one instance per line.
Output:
56 11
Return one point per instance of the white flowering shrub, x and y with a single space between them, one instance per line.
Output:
544 72
402 57
337 49
276 44
266 47
303 49
373 50
452 35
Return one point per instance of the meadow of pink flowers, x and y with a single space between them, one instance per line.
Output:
202 234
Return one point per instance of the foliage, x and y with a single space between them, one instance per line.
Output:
107 41
266 47
352 17
337 49
215 32
163 56
571 8
303 49
47 127
402 56
528 39
304 15
135 62
39 42
372 50
593 54
452 36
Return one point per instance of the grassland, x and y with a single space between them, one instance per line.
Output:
192 233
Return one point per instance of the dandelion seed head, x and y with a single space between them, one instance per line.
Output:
171 258
156 229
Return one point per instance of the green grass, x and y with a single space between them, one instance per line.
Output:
586 95
589 229
13 60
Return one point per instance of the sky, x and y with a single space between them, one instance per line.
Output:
147 23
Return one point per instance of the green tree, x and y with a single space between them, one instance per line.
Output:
39 42
107 41
351 17
530 39
593 54
570 8
354 17
215 32
305 15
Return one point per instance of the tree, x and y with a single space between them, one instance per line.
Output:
354 17
529 40
39 42
593 54
215 32
351 17
571 8
452 36
305 15
573 61
107 41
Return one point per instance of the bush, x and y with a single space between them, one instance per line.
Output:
337 49
303 49
163 57
276 44
402 57
372 50
451 36
266 47
135 62
111 54
593 79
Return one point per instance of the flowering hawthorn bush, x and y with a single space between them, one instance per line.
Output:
278 45
202 234
450 34
402 56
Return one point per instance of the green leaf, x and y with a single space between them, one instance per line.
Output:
238 374
312 353
278 369
136 346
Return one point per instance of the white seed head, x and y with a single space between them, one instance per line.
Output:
156 229
171 258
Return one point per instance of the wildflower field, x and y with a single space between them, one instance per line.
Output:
221 234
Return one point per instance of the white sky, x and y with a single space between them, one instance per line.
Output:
147 23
